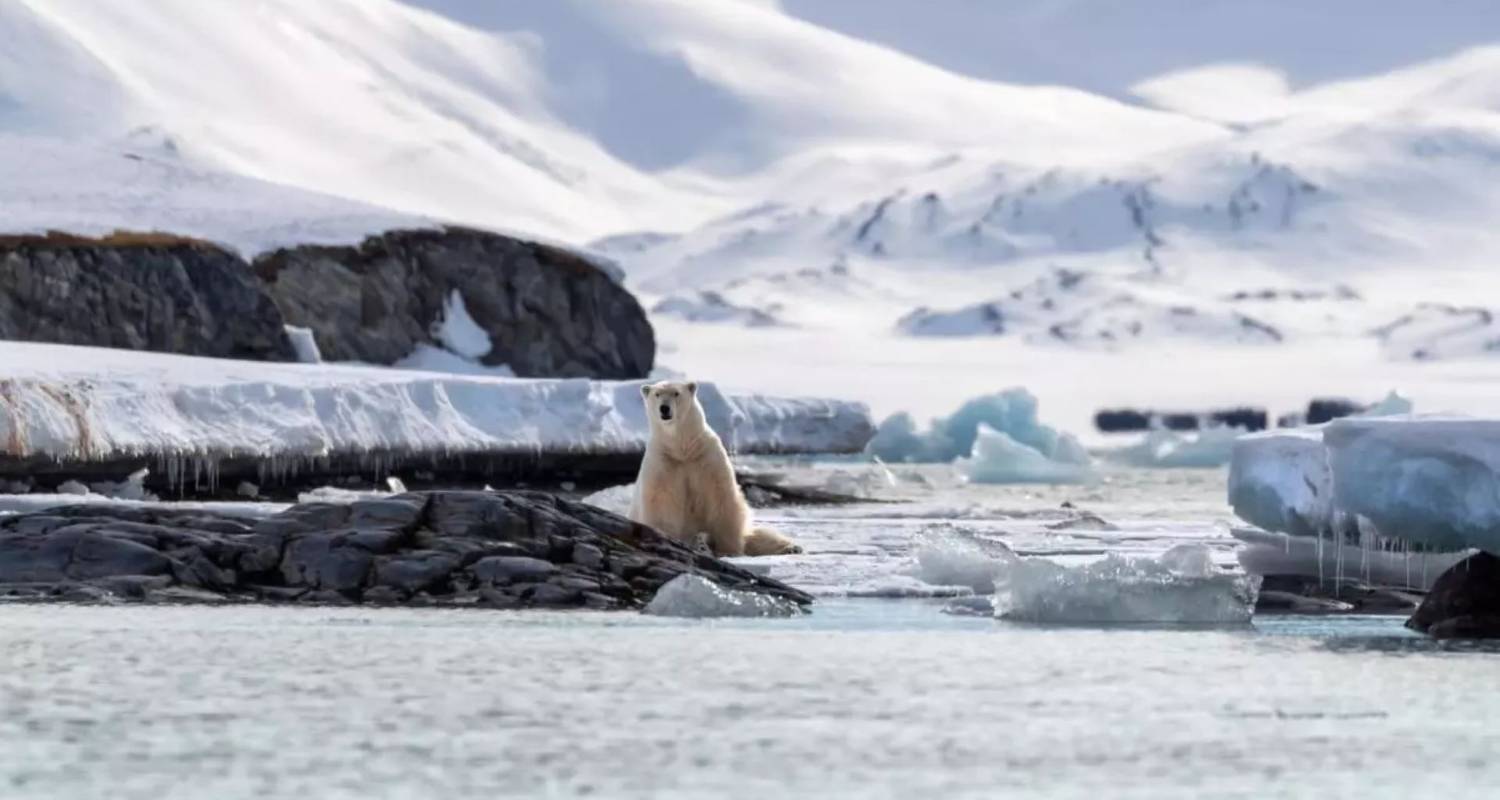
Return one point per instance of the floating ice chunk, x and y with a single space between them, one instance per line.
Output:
458 332
697 597
1189 561
1431 480
304 344
998 458
1392 405
949 556
1280 481
1212 447
1119 590
1012 412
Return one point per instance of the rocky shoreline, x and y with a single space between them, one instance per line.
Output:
506 550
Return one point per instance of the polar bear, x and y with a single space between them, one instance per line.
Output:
686 486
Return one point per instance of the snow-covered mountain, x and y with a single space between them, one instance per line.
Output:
1167 203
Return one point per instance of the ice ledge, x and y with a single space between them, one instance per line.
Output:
85 406
1428 480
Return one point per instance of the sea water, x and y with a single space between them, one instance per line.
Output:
877 693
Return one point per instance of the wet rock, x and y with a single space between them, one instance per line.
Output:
325 561
1464 602
512 569
1298 594
587 555
496 549
414 571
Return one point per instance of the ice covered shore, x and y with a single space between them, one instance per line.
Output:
195 416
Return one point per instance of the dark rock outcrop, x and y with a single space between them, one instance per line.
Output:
548 312
448 548
1464 602
137 292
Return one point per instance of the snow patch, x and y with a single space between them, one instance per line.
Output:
1434 332
696 597
304 344
457 331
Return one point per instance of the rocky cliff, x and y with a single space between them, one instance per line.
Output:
137 292
547 312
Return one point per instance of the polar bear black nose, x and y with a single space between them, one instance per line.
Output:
666 411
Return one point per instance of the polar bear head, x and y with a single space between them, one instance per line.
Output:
671 405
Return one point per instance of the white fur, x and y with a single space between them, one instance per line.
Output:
686 486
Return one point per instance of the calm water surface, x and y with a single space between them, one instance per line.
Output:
866 698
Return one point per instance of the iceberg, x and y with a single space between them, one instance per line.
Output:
696 597
998 458
1280 481
993 438
1430 480
1211 447
1180 587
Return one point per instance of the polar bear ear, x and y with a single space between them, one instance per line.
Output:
692 387
645 390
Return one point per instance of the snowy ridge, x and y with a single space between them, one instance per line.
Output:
87 404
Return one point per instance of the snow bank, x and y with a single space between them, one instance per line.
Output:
1180 587
1213 447
91 404
696 597
1431 480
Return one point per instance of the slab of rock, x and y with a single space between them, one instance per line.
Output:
1464 602
444 548
547 312
137 292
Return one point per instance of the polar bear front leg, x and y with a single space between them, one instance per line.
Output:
660 506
